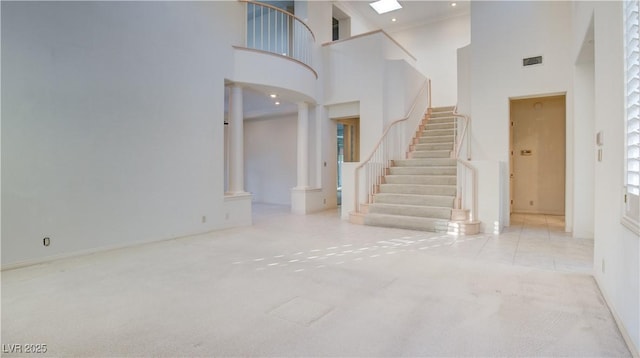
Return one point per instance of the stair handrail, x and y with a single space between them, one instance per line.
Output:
425 86
466 163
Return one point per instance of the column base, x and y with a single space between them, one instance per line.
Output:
307 200
236 193
237 209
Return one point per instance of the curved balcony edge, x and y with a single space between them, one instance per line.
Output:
273 70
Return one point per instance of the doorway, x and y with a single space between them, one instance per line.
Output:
348 147
537 155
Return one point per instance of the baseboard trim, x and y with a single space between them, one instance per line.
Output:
623 330
533 212
92 251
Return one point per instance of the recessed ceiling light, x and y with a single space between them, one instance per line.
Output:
453 4
384 6
273 95
394 19
277 103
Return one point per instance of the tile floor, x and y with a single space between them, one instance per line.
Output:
317 286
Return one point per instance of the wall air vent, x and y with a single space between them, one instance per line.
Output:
531 61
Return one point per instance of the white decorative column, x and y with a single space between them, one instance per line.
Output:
303 146
319 162
237 202
304 199
236 142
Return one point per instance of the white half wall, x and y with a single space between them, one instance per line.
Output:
435 46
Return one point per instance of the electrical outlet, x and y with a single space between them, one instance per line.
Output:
226 216
324 201
204 219
602 265
531 202
46 241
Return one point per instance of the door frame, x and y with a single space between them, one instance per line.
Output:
510 152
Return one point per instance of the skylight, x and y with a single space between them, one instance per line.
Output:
384 6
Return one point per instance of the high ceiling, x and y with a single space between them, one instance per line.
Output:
413 12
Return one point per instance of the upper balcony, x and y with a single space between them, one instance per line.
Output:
274 30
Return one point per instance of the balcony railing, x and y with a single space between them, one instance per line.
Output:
467 185
274 30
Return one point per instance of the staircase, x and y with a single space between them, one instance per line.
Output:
418 192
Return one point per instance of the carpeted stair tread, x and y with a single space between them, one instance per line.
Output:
425 162
436 139
435 212
431 154
434 170
413 199
442 120
433 146
406 222
431 126
423 179
443 109
418 189
437 132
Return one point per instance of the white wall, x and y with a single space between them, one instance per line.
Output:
110 135
435 45
350 65
402 83
615 246
502 33
270 158
464 79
